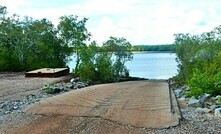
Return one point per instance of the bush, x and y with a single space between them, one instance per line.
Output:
87 72
199 84
49 89
106 65
203 82
219 100
98 69
198 58
105 68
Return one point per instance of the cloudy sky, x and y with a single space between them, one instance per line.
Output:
139 21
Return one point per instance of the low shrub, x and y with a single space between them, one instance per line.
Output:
203 82
49 89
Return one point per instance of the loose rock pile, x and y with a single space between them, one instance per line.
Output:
203 104
17 106
64 87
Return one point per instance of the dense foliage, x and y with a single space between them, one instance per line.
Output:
107 63
74 34
31 44
166 47
199 59
120 50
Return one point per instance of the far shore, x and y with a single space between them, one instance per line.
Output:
152 51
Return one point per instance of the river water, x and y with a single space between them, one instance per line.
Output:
150 65
153 65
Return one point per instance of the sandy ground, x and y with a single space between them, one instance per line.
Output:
15 86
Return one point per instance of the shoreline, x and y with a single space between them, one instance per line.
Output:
193 121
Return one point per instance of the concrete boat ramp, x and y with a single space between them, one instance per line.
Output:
139 104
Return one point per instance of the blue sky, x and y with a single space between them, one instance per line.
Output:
139 21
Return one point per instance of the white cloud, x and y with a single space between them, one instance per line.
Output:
13 6
140 21
104 29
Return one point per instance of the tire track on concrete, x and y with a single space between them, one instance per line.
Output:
139 104
100 108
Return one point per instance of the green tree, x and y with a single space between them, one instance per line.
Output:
121 49
87 67
29 44
10 34
3 11
107 63
73 33
95 65
48 49
185 47
104 68
199 61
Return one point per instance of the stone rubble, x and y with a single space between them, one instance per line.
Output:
205 104
179 92
202 110
217 112
64 87
11 106
193 102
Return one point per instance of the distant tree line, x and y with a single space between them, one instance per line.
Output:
199 58
27 44
166 47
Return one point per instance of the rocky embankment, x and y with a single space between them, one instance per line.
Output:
17 106
205 104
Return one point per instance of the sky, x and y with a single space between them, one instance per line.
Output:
141 22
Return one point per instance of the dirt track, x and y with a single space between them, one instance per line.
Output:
110 108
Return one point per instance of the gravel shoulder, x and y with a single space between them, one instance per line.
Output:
16 94
15 86
20 88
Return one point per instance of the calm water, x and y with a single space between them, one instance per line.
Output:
150 65
153 65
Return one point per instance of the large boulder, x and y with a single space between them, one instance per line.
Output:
69 85
214 106
2 117
178 92
217 112
193 102
202 110
80 85
203 98
182 98
52 89
75 80
217 99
